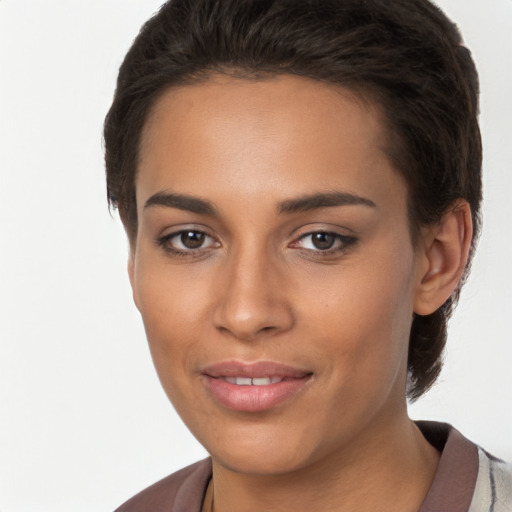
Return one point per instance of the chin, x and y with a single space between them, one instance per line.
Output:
261 451
261 464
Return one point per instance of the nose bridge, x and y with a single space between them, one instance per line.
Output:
252 295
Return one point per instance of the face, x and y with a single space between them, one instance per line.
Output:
274 269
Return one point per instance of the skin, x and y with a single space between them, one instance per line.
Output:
258 289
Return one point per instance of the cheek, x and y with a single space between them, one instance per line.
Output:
173 309
364 317
168 296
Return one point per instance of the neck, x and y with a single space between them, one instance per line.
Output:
388 471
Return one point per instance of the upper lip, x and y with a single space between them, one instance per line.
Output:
253 370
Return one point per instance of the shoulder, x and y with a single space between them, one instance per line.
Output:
185 488
468 478
493 490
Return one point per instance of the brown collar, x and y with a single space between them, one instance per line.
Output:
454 483
451 491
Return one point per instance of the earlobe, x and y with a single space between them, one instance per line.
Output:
444 254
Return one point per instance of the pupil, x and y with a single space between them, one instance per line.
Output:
192 239
323 240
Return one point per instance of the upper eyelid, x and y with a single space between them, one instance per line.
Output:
175 231
328 231
181 231
171 231
167 237
341 245
340 236
322 227
342 232
179 250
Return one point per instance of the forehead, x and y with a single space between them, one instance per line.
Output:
266 101
294 132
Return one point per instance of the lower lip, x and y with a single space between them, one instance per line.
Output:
254 398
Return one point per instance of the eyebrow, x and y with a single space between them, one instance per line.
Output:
181 202
301 204
323 200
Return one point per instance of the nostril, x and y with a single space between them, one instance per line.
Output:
244 333
249 308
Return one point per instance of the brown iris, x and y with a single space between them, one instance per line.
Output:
323 240
192 239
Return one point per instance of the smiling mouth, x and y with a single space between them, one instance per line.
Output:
254 387
256 381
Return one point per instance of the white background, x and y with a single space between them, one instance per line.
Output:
83 421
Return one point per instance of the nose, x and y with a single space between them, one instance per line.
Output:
253 299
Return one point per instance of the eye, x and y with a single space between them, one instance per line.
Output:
324 241
187 241
321 241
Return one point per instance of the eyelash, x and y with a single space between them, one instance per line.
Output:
166 243
341 243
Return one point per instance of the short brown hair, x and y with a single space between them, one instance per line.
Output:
405 55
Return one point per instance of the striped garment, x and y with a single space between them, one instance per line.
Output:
493 489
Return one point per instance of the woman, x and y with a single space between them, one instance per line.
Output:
300 182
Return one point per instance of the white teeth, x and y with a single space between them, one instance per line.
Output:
261 381
257 381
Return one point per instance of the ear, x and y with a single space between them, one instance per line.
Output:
444 252
131 275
